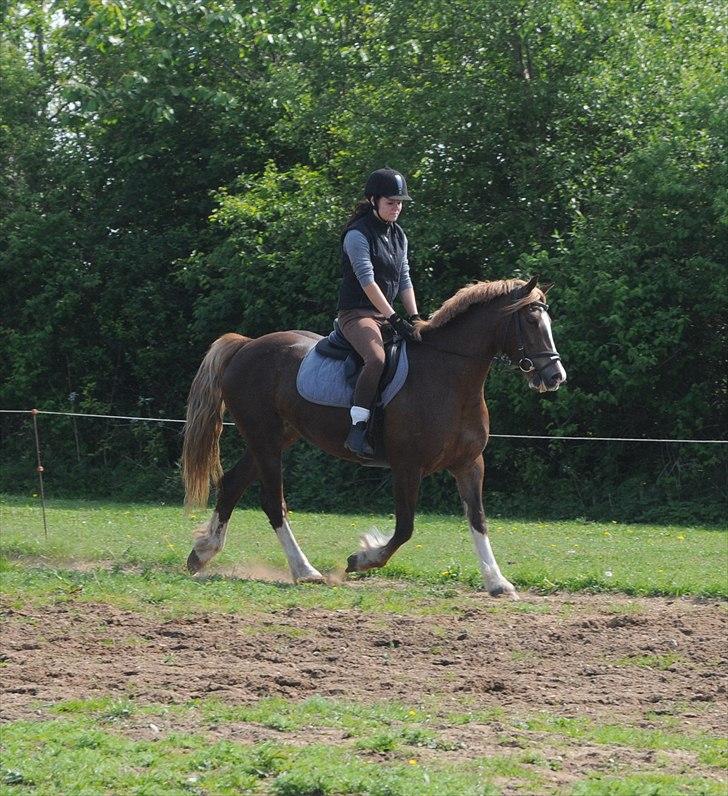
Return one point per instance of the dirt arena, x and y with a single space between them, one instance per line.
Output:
573 655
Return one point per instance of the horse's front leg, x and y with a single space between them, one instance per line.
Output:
376 549
470 485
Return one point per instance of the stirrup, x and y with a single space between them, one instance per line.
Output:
357 442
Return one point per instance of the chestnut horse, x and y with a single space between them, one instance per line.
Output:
438 420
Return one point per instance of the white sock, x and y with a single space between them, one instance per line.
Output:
359 414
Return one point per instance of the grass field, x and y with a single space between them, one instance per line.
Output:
574 555
437 742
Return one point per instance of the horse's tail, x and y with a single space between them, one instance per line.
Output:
205 410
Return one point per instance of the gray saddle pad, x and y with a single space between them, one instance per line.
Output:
322 380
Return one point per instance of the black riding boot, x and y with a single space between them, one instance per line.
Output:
357 443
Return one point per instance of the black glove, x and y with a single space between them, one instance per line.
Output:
402 327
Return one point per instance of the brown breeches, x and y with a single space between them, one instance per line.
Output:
363 330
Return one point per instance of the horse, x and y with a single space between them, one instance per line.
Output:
438 421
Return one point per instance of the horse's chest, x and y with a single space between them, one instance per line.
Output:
462 438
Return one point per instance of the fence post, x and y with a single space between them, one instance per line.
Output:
34 413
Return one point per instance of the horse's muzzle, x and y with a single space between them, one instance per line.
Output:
549 379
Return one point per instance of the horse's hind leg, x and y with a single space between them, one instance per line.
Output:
274 505
211 536
470 485
377 550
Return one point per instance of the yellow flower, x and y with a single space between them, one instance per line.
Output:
412 761
681 537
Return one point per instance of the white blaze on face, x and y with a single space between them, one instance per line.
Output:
546 324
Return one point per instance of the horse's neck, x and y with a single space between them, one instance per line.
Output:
470 341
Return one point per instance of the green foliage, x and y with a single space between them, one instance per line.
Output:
279 260
169 172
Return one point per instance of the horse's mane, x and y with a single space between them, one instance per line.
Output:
476 293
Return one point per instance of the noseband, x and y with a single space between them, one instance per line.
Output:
526 361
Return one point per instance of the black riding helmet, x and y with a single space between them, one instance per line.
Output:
389 183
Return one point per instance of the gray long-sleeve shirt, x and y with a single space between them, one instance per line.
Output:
356 247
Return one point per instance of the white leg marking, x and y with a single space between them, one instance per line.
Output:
301 569
210 538
372 545
494 580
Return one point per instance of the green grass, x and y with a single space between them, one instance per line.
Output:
133 556
709 750
94 746
394 725
76 756
573 555
661 662
171 594
648 785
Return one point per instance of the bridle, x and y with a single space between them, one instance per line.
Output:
526 362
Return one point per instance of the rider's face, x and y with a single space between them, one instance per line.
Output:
389 209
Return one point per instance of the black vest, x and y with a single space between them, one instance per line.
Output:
387 251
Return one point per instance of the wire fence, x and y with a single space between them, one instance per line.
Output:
34 413
555 438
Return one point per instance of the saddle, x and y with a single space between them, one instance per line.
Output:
336 346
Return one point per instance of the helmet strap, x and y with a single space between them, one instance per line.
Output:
373 201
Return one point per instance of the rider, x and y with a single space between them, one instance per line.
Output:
374 271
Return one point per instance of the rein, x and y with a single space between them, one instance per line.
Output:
447 350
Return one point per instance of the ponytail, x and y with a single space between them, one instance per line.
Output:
363 206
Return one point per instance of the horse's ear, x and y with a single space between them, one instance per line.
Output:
527 288
545 288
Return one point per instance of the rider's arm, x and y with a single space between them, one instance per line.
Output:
408 301
406 290
378 299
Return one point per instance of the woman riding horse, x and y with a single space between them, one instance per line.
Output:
375 270
437 421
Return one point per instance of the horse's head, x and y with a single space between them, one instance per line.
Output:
532 345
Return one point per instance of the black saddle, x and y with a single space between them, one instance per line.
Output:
336 346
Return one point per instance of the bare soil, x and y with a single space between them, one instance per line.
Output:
611 659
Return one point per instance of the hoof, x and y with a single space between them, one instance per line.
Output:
194 564
313 577
507 591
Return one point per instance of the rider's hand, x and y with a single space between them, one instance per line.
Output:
402 327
